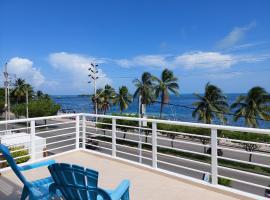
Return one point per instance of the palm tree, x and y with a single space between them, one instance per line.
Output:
213 104
144 89
96 98
21 89
164 86
252 106
123 98
39 94
103 98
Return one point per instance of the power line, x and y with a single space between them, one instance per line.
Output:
224 113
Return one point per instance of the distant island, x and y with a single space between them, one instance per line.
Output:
84 95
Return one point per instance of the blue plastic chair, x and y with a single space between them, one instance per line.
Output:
78 183
35 190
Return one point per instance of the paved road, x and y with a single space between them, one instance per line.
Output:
55 143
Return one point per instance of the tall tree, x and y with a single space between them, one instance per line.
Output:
103 98
123 98
21 88
256 104
213 104
164 86
144 88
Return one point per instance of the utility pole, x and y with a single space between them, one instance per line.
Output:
6 95
140 124
94 76
27 113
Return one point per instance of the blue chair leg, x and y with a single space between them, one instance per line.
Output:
24 193
125 196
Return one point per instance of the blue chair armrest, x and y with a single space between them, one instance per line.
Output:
122 188
36 165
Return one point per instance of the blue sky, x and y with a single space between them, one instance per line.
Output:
51 43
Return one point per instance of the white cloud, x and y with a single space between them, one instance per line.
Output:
225 75
204 60
76 66
24 68
236 35
145 60
190 60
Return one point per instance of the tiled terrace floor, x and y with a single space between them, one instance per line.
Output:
145 184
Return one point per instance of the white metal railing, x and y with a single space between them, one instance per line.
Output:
183 153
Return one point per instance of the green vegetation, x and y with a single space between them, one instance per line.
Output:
2 100
37 108
224 182
253 106
39 104
19 152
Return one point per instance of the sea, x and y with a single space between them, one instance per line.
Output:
180 109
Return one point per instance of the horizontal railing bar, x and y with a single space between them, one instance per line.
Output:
130 133
100 129
245 152
47 144
15 129
23 149
183 150
242 161
2 161
48 150
245 141
45 125
56 136
183 167
185 159
184 142
133 141
137 149
102 123
39 118
93 134
53 130
99 146
182 133
134 127
98 141
244 182
244 172
190 124
143 157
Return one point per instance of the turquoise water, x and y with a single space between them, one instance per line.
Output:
74 103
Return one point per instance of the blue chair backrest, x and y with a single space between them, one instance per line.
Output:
76 183
5 151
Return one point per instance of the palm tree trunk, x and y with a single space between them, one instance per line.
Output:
250 157
161 109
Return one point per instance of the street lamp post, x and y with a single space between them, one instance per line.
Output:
94 76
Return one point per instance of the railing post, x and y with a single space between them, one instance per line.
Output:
113 137
77 131
154 144
32 140
214 159
83 131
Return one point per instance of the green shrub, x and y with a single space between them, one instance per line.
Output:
20 151
224 181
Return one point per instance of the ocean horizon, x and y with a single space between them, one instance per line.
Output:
181 110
